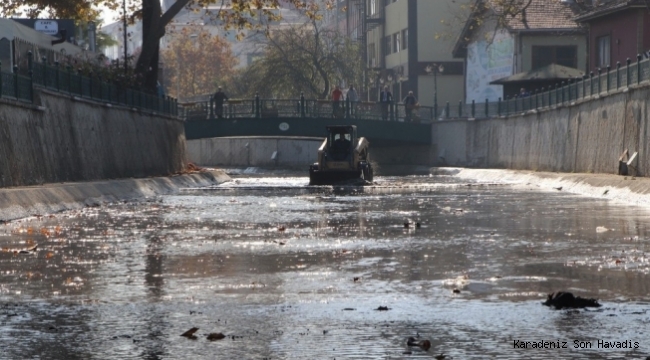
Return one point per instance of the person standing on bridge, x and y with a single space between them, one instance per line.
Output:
410 103
337 96
385 98
219 97
352 97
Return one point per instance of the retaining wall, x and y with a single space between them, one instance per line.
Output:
587 136
254 151
63 138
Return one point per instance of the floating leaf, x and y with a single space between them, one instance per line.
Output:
190 333
215 336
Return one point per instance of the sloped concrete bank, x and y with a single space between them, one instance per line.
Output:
21 202
621 189
63 138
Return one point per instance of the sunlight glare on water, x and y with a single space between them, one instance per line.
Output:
291 271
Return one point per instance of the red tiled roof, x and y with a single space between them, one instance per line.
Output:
545 14
604 7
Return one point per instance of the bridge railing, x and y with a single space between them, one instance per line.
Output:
597 83
302 108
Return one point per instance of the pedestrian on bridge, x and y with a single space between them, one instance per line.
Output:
352 98
410 103
337 96
385 98
219 97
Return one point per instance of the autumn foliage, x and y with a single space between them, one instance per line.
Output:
195 63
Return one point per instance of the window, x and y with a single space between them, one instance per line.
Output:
603 45
373 7
561 55
405 39
396 42
388 46
372 56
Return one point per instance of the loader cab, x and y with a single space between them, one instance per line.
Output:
341 141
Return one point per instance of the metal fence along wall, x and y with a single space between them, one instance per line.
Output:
596 83
65 80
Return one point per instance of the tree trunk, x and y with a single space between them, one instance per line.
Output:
146 68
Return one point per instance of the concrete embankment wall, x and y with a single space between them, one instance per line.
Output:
21 202
62 138
254 151
587 136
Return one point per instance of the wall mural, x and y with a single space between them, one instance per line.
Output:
487 62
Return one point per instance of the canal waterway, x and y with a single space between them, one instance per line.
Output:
289 271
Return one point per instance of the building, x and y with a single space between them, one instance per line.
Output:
16 40
618 30
409 47
544 33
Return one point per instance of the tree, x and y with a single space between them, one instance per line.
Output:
196 63
235 15
303 59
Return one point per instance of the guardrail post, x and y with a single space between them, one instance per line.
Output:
591 83
70 79
0 80
302 105
56 65
486 107
516 107
473 105
562 88
608 69
536 99
257 106
447 110
44 58
347 108
499 107
618 74
30 63
16 81
599 81
638 68
627 72
435 107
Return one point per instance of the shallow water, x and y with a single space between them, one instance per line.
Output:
271 263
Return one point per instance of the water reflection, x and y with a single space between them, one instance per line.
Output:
278 265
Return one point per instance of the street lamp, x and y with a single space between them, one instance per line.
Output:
92 36
435 69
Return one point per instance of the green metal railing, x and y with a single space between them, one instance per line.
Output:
302 108
15 86
597 83
57 78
